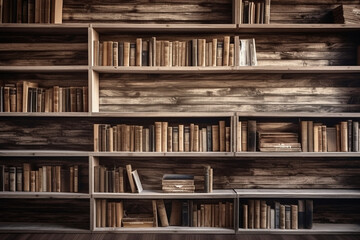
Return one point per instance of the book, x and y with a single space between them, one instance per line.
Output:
162 213
137 181
251 136
301 214
257 211
287 217
263 214
308 214
130 178
294 216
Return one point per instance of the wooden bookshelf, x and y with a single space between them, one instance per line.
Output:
306 70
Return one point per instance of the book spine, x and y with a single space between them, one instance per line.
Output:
304 135
294 216
344 136
251 213
245 216
257 214
301 214
350 137
139 52
263 214
282 217
162 213
308 214
355 136
251 136
287 217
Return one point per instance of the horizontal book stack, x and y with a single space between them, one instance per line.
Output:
254 11
178 183
162 137
44 179
263 214
31 11
267 137
229 51
341 137
29 97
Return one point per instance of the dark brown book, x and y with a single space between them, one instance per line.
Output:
282 216
251 214
222 136
308 214
126 54
251 136
310 136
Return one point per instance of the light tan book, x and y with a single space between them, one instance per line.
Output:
215 138
98 213
105 52
245 216
158 136
226 51
57 11
257 214
115 54
130 177
196 138
103 213
263 214
58 178
192 128
164 135
154 208
166 54
232 55
110 53
201 52
181 138
162 213
214 51
119 213
138 52
294 216
126 54
158 53
343 136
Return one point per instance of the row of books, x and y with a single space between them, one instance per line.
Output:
254 11
161 137
187 213
27 96
318 137
260 214
44 179
31 11
229 51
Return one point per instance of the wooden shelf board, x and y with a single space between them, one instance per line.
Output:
298 114
163 114
74 68
154 28
221 69
45 114
297 154
153 194
298 193
36 195
25 227
162 154
318 228
271 28
170 229
42 153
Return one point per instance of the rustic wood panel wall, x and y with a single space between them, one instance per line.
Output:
249 173
229 92
148 11
304 11
65 164
46 134
41 48
62 212
47 80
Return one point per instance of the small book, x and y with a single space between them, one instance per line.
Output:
137 181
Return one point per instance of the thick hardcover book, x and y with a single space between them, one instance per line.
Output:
226 51
126 54
282 217
186 138
132 54
287 217
257 214
301 214
251 213
304 135
139 52
201 52
176 213
294 216
130 178
145 53
158 137
219 53
343 136
251 136
277 215
164 135
12 179
222 136
308 214
162 213
215 138
185 213
355 137
245 218
194 55
350 137
263 214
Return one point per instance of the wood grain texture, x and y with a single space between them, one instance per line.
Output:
68 213
229 92
145 11
38 49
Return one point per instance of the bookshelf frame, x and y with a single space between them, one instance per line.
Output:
92 30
